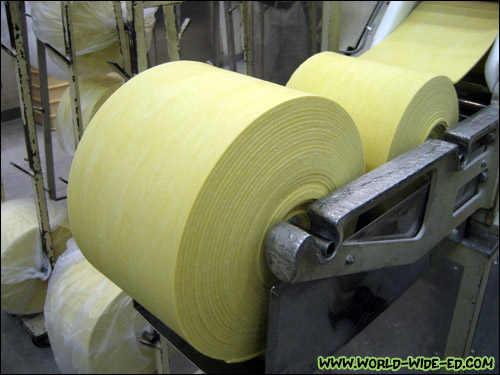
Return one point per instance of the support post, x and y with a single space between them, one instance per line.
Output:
476 262
46 123
140 36
230 35
247 20
74 89
330 31
173 42
16 10
123 39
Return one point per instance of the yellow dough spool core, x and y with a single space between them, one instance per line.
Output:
180 176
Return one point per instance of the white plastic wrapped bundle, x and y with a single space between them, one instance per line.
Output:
91 323
94 35
25 268
93 93
53 69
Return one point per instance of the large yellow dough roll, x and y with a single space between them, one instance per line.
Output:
440 37
177 181
93 93
395 109
91 323
24 268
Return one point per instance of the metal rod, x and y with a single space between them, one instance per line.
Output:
247 21
58 54
120 70
230 36
16 10
476 270
262 25
47 132
25 171
3 194
184 26
330 32
216 32
123 41
173 42
471 103
8 51
367 30
131 37
31 174
140 37
74 89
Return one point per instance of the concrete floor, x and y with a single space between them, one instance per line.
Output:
416 324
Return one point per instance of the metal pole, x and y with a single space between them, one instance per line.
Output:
476 270
216 31
3 194
122 39
74 89
330 31
173 42
247 20
16 10
47 132
140 37
230 35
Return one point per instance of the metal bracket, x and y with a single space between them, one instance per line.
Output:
207 364
442 183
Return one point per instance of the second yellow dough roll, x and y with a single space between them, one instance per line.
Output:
395 109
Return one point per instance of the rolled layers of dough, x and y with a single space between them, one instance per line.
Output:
177 181
440 37
395 109
93 93
25 270
399 92
91 323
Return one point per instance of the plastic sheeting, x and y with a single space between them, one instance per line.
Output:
94 92
52 68
179 177
91 323
95 34
25 268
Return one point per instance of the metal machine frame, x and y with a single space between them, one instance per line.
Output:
431 191
438 200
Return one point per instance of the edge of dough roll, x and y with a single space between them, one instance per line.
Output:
94 92
394 109
177 181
